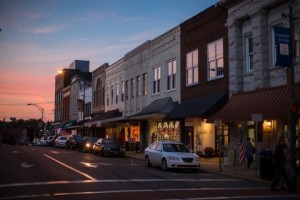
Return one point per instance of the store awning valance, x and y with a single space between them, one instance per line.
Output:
198 107
157 109
270 103
68 124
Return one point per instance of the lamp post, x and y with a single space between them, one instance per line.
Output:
38 107
292 97
42 111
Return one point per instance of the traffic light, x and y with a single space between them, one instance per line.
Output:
296 109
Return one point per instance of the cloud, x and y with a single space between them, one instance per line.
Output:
48 29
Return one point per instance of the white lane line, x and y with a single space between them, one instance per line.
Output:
113 181
71 168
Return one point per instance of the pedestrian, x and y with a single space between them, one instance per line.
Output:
280 162
249 152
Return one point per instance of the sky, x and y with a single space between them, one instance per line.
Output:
40 37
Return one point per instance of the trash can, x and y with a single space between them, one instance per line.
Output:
266 164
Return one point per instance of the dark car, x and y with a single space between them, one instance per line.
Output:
108 147
74 142
88 143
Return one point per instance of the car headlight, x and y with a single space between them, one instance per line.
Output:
173 158
87 145
197 158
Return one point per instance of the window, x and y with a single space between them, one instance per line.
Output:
192 67
126 90
249 54
123 91
138 87
144 84
107 95
112 93
156 80
132 87
117 92
215 60
171 71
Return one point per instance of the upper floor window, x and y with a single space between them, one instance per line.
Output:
126 90
123 91
138 86
249 53
156 80
107 95
112 93
132 87
215 59
192 67
117 92
144 84
171 71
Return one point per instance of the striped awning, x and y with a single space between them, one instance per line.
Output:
270 103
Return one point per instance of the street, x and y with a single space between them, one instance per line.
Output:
36 172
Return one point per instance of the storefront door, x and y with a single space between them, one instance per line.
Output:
189 137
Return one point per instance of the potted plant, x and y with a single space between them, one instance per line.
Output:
209 151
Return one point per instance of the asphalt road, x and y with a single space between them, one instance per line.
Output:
29 172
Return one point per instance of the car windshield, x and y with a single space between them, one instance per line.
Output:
175 148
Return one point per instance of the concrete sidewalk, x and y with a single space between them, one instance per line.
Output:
212 165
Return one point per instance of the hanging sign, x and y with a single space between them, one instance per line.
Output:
283 42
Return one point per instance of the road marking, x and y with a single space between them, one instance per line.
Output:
25 165
55 152
115 181
69 167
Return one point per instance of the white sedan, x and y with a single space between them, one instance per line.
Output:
171 155
61 141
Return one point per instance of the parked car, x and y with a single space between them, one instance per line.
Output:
43 141
88 143
74 142
108 147
49 141
36 142
61 141
171 155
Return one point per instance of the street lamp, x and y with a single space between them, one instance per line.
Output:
38 107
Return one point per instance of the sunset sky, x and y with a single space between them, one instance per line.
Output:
40 37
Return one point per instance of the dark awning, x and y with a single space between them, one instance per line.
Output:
270 103
157 109
198 107
68 124
107 115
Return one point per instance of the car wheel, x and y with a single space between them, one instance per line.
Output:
164 165
147 162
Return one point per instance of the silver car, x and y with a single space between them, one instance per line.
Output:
171 155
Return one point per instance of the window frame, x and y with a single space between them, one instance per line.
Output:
193 68
156 80
171 66
217 71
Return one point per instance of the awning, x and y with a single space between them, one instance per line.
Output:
270 103
157 109
198 107
68 124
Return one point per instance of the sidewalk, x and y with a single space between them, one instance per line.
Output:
212 165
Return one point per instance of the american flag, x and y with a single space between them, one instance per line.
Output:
242 148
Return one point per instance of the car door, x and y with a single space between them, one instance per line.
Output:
157 154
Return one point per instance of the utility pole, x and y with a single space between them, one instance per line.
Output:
292 97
